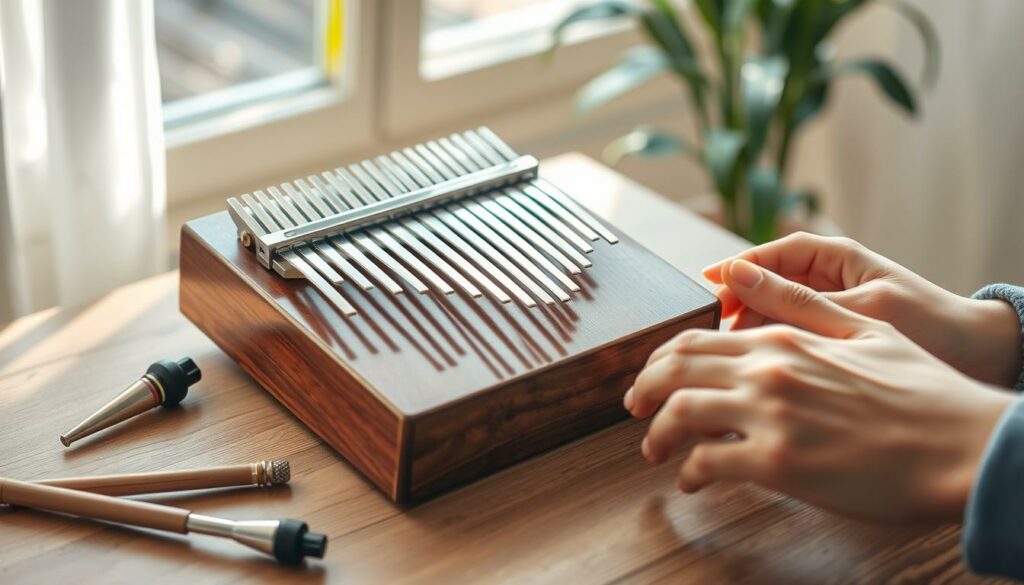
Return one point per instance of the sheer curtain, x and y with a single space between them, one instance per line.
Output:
941 194
83 207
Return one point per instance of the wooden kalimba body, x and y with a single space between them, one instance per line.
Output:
435 314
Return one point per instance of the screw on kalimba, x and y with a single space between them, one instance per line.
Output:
165 383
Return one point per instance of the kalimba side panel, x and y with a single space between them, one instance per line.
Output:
423 392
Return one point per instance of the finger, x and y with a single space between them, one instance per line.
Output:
711 461
821 262
730 304
659 380
700 411
693 341
788 302
749 319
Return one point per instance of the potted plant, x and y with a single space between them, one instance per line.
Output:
768 74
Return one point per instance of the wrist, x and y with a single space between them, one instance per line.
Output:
979 419
992 344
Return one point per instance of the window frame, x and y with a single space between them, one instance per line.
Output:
413 104
227 151
388 102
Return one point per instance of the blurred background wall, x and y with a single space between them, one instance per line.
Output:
941 194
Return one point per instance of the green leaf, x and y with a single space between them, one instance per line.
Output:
805 198
638 66
647 143
774 16
736 12
721 154
711 11
811 103
831 13
763 79
932 48
884 76
765 202
662 25
605 10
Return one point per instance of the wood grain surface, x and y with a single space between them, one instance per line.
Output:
591 511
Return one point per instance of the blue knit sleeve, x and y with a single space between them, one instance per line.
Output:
995 509
1014 295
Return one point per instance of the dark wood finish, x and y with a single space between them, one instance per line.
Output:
591 511
425 392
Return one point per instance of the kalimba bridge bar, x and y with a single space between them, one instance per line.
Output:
460 329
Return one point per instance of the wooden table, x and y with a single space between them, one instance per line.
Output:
590 512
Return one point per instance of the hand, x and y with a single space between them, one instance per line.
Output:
845 412
980 338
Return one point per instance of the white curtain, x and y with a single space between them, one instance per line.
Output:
942 194
83 143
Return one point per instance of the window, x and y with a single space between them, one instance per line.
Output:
255 90
460 35
453 59
207 47
218 57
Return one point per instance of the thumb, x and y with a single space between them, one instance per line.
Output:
789 302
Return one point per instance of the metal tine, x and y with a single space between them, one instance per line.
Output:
281 219
340 185
301 265
488 136
385 174
511 228
528 226
429 227
462 236
459 217
343 192
573 206
546 201
245 214
357 188
324 208
318 282
342 242
559 203
557 232
368 173
501 235
367 241
339 244
516 224
524 201
324 246
413 237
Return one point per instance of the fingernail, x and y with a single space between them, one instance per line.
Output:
627 400
745 274
710 268
645 448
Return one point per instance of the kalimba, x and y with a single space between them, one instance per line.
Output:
437 313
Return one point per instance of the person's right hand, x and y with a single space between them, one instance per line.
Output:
980 338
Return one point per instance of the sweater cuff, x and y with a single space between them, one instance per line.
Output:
1014 295
995 509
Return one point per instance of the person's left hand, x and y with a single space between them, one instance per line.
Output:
841 410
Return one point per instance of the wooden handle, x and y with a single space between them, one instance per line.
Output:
158 482
95 506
